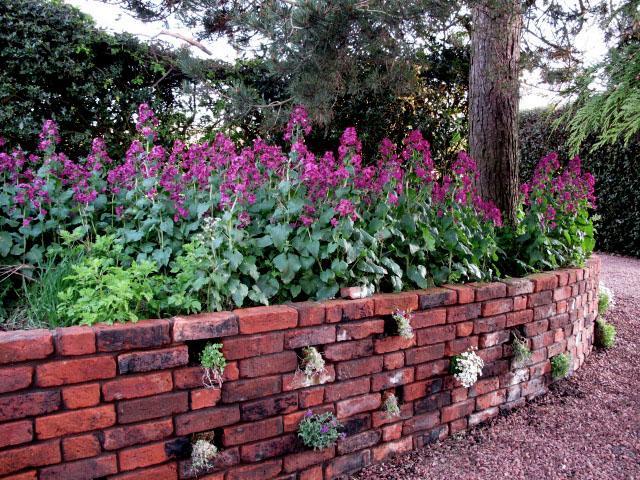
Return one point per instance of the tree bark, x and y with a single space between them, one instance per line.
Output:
493 100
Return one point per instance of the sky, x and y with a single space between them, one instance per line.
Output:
533 93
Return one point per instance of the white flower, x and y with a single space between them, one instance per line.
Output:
312 362
468 368
202 453
403 320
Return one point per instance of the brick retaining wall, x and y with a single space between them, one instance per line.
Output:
121 402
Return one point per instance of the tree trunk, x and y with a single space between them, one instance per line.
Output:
493 100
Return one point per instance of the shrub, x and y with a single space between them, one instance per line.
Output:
319 431
403 323
605 334
467 367
606 299
560 365
390 405
312 363
213 364
521 351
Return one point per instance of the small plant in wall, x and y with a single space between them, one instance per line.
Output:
467 367
403 323
521 351
605 334
312 364
203 452
606 299
320 431
560 365
391 406
213 365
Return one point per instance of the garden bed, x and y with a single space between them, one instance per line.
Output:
127 401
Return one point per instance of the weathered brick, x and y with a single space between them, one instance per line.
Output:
459 394
439 334
518 286
541 298
387 303
137 410
347 464
77 421
28 404
35 455
519 318
456 347
379 417
432 436
353 406
421 422
310 313
260 471
121 437
98 466
347 389
544 311
21 345
457 410
543 281
150 360
386 380
252 432
492 399
259 409
559 321
465 293
204 326
129 336
542 340
266 319
225 459
488 291
144 456
338 310
494 338
535 328
393 343
294 381
264 365
78 370
311 397
429 318
358 368
414 356
489 324
81 396
496 307
137 386
421 389
392 432
206 419
483 416
561 293
341 351
360 329
458 426
83 446
359 441
432 403
393 360
304 337
520 302
313 473
168 471
192 377
251 389
462 313
436 297
298 461
273 447
356 424
388 449
75 341
15 433
248 346
205 398
15 378
464 329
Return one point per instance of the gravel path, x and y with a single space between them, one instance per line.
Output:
587 427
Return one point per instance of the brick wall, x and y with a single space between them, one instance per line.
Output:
122 401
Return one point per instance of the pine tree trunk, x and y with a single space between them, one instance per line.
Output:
493 100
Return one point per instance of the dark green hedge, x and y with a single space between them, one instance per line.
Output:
617 172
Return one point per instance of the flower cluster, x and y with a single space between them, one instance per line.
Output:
312 363
403 323
203 452
467 367
320 431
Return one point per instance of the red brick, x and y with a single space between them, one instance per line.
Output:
120 437
28 404
561 293
386 450
494 338
436 297
311 397
21 345
429 318
250 389
489 291
489 324
338 310
299 461
30 475
15 378
496 307
417 390
458 426
424 354
518 286
31 456
129 336
191 377
257 410
462 313
147 361
303 337
347 464
563 277
273 447
484 385
394 360
353 443
252 432
520 303
282 362
456 347
347 389
545 311
536 328
252 345
353 406
543 281
204 326
432 403
457 410
466 294
359 330
543 340
386 380
206 419
81 396
519 318
137 386
358 368
427 438
392 432
491 399
393 343
556 349
205 398
313 473
387 303
138 457
78 370
294 381
75 341
483 416
379 417
167 471
464 329
84 446
98 466
15 433
137 410
429 336
310 313
76 421
421 422
266 319
349 350
541 298
223 461
459 394
260 471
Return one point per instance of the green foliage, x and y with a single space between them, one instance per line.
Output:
605 299
212 357
391 406
319 431
521 351
605 334
560 365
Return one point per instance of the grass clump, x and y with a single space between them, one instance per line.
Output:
560 365
521 351
605 334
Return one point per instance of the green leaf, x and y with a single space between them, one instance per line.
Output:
418 275
279 235
5 243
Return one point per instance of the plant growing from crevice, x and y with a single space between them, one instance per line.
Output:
521 351
312 364
606 299
605 334
391 405
203 452
213 364
320 431
467 367
403 323
560 365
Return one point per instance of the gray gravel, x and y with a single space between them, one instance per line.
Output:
587 427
